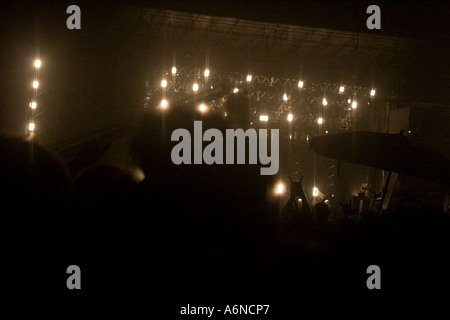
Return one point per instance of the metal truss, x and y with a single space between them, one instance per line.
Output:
270 95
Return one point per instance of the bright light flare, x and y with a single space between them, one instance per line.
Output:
35 84
164 83
195 87
354 105
324 101
280 188
264 118
341 89
315 192
235 90
372 93
174 70
206 73
320 120
31 127
37 63
290 117
300 84
164 104
285 97
249 78
33 105
202 108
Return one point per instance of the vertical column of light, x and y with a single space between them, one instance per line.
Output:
33 104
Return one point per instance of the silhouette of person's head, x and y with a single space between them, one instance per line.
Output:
322 211
238 110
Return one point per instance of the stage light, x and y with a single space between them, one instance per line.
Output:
341 89
324 101
354 104
264 118
206 73
235 90
290 117
300 84
320 120
315 192
280 189
164 83
249 78
37 63
33 105
195 87
285 97
35 84
202 108
372 93
174 70
31 127
164 103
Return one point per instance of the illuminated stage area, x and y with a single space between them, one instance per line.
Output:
302 80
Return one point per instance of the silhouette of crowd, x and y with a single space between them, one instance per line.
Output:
192 232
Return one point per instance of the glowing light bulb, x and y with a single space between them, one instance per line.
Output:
164 83
33 105
290 117
300 84
174 70
341 89
164 103
280 188
202 108
285 97
249 78
195 87
264 118
235 90
206 73
324 101
31 127
315 192
35 84
354 104
372 93
320 120
37 63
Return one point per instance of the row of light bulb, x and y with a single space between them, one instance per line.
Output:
33 104
263 118
249 78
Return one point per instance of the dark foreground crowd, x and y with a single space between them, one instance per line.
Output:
199 234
